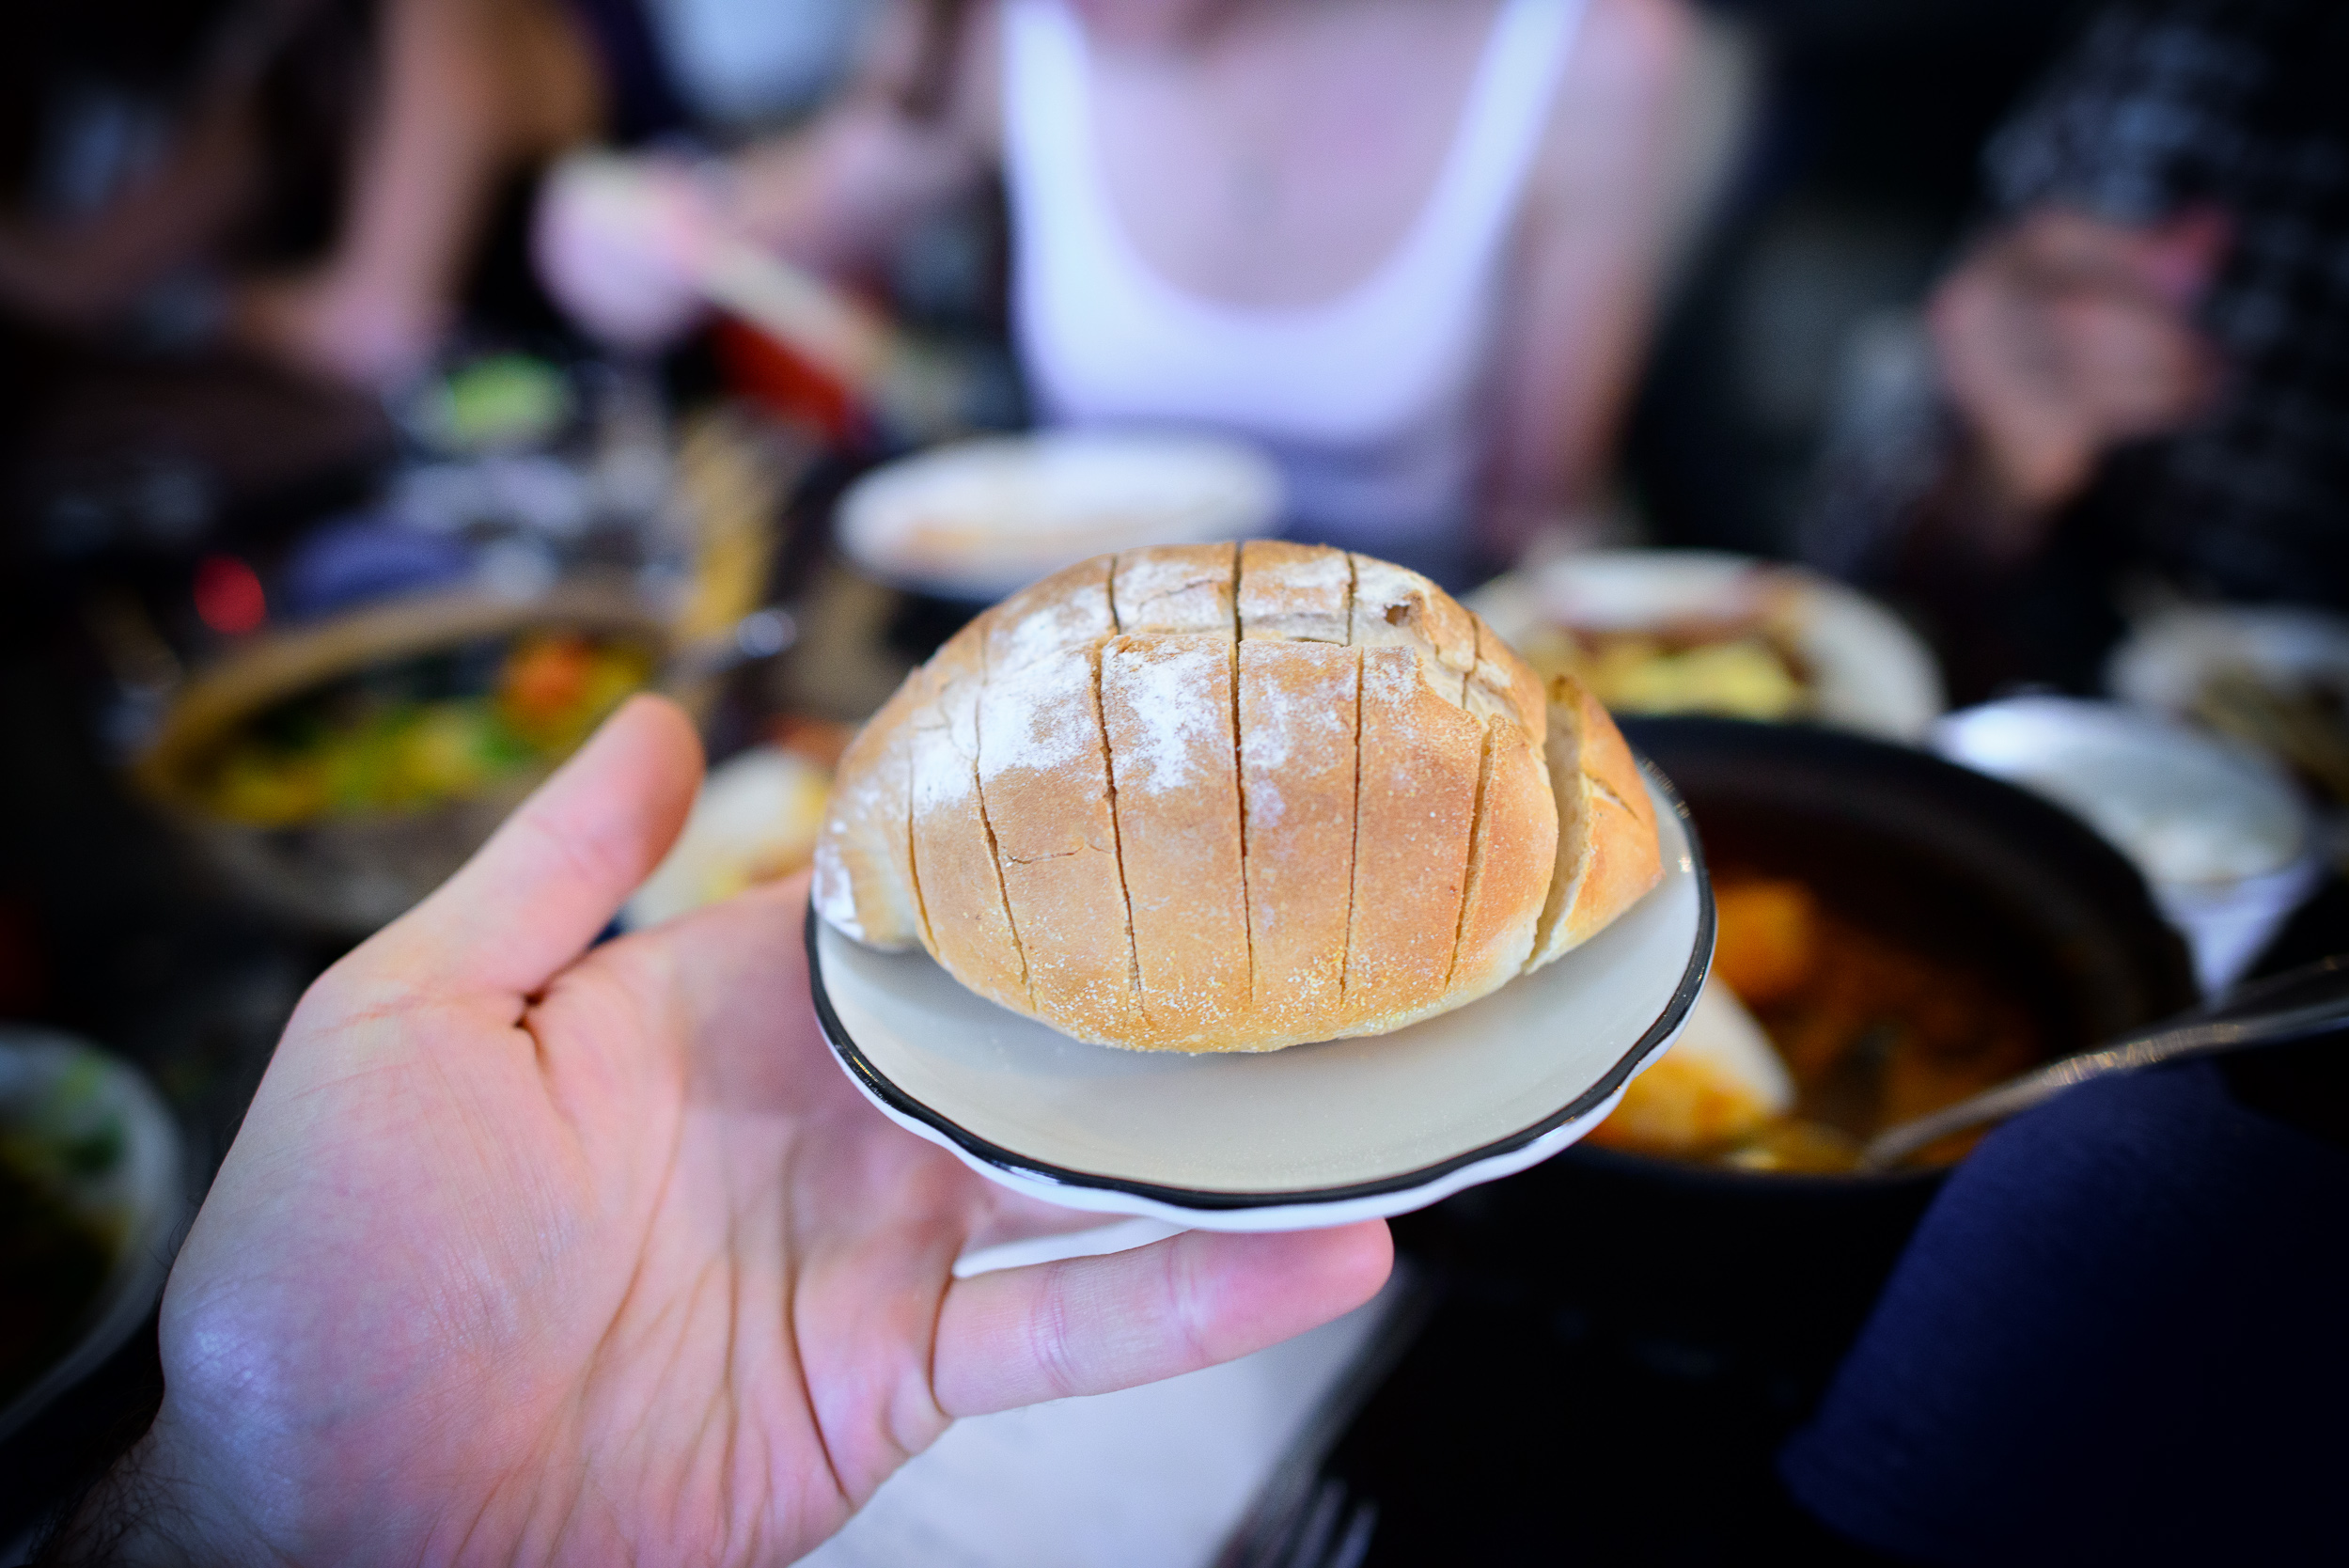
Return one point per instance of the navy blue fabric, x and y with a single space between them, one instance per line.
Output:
2121 1334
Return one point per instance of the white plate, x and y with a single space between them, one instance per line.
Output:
2164 662
1869 672
1312 1135
978 519
2224 840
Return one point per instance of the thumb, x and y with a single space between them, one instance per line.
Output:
555 874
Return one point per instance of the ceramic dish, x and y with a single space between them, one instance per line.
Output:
63 1103
978 519
2222 838
2271 677
2165 662
1312 1135
1868 671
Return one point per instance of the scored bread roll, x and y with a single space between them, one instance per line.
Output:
1232 798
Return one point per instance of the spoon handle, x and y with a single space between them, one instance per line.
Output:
2196 1035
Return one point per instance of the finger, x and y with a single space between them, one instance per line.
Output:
1089 1325
555 874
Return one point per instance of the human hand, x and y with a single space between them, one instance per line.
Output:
526 1256
622 243
2068 334
340 326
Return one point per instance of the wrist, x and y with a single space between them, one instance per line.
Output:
149 1510
2002 515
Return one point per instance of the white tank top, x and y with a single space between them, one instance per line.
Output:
1367 401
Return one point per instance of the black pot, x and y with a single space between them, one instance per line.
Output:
1716 1271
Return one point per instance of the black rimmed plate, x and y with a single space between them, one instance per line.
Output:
1312 1135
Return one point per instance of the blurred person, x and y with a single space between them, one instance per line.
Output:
2143 366
145 171
468 93
534 1250
1409 248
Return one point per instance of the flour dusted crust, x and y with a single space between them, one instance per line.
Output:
1232 798
1167 704
864 876
953 859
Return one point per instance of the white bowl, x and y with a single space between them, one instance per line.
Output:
1869 672
2164 663
56 1090
1312 1135
2221 837
978 519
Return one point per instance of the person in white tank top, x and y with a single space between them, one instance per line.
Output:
1409 248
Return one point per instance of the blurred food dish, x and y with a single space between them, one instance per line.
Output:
978 519
92 1198
1720 1084
415 733
756 821
2226 844
1850 1031
2271 677
1667 631
1900 933
339 772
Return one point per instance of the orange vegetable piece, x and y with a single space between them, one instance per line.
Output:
545 678
1767 945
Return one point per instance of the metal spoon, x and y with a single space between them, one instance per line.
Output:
2306 1002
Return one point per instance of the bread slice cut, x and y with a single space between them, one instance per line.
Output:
1298 706
1067 610
957 885
1295 592
1397 608
1175 587
1414 815
1167 703
1608 855
1514 856
1044 773
863 873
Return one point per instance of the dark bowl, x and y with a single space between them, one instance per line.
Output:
1727 1263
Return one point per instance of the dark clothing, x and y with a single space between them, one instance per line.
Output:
2243 105
2164 105
2117 1337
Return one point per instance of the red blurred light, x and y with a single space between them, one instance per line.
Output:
229 597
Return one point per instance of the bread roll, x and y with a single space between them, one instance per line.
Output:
1232 798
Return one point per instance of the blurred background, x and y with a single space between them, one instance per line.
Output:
388 386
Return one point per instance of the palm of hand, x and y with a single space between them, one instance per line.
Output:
617 1264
